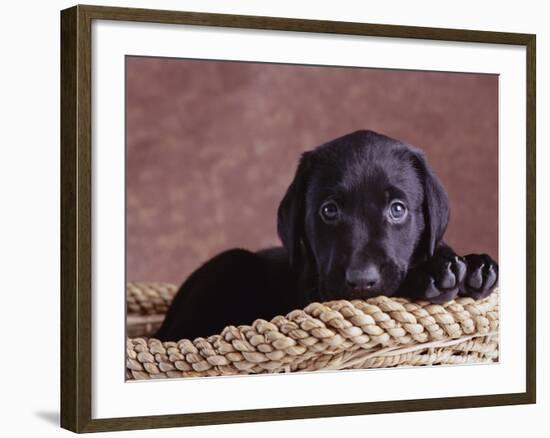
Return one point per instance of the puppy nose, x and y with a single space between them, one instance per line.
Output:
362 279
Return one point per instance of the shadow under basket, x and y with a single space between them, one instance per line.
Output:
378 332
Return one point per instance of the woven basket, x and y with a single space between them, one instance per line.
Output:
373 333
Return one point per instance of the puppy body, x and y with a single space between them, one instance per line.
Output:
364 216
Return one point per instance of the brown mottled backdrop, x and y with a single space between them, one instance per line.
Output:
212 147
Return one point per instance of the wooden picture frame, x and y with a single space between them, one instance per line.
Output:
76 217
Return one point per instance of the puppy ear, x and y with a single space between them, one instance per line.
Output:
436 205
291 213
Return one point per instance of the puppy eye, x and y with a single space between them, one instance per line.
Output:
397 211
329 212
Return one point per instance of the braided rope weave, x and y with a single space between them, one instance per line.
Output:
373 333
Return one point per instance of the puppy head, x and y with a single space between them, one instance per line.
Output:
361 210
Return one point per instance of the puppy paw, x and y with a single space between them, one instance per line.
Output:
481 276
445 275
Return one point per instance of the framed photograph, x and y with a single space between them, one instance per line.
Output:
269 218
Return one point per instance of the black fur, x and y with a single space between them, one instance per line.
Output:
344 235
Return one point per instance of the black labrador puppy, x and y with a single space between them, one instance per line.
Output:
364 216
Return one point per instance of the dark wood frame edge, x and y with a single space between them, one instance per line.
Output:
76 383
